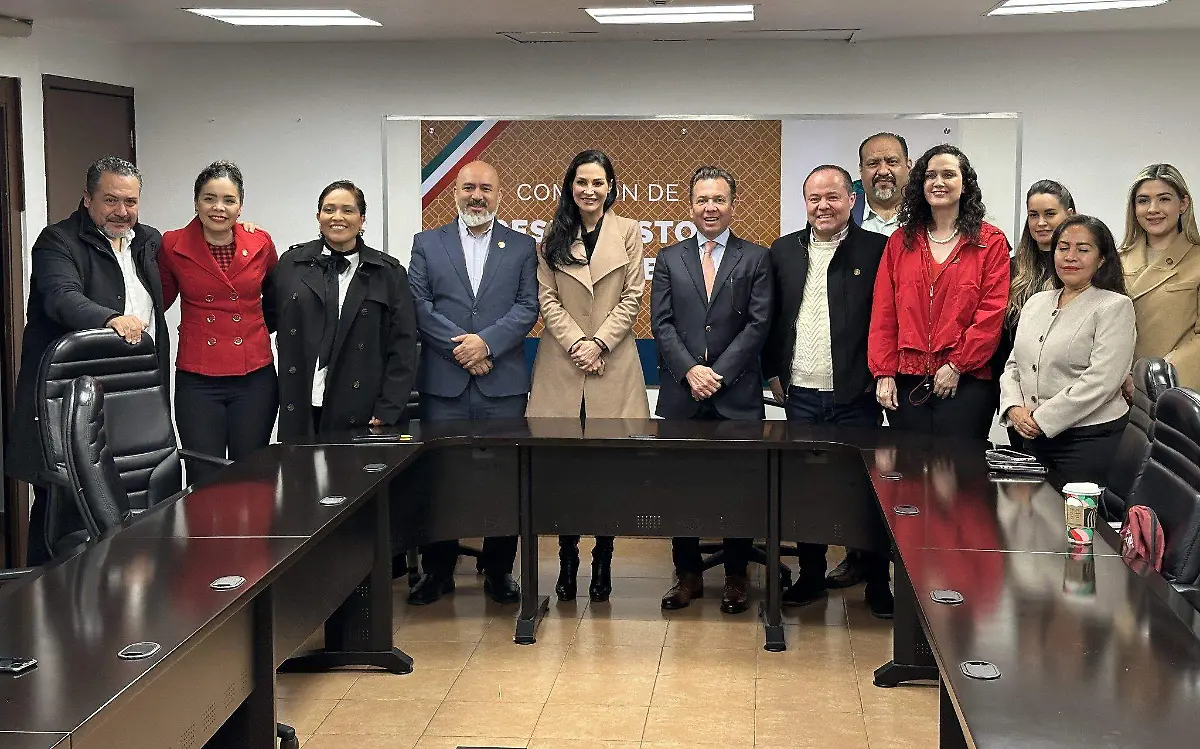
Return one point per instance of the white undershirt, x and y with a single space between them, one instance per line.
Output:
138 301
318 390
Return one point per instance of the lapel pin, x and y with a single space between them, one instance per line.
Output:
857 272
245 253
500 244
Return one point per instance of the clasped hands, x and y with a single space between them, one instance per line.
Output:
1022 420
703 381
586 354
471 353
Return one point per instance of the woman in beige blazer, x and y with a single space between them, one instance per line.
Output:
1161 259
590 283
1061 387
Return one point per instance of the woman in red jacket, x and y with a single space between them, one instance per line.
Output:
226 391
939 303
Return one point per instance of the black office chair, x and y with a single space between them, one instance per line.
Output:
1151 378
411 558
96 484
1169 482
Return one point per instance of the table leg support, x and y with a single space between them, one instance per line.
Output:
253 723
950 733
912 658
771 611
533 606
359 633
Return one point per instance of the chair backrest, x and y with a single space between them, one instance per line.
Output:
137 412
1169 483
100 496
1151 378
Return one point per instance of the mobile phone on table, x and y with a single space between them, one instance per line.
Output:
9 665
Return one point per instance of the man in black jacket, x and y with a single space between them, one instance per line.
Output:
710 306
98 268
816 354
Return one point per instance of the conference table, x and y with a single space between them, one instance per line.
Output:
310 530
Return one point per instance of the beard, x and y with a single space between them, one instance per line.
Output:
883 190
114 233
476 219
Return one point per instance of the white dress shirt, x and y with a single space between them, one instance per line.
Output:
812 358
344 278
872 221
138 301
475 251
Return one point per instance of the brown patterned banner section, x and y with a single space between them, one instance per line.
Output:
654 161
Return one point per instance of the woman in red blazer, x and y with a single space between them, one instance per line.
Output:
226 390
939 303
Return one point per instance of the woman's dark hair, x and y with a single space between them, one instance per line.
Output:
1109 275
344 184
220 170
915 214
1034 268
556 248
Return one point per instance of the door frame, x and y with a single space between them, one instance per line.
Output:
12 203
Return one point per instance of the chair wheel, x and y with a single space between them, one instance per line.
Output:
287 736
292 743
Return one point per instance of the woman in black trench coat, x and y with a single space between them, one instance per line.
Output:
350 364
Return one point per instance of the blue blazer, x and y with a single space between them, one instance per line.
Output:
502 313
860 204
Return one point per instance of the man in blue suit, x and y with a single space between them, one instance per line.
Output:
474 282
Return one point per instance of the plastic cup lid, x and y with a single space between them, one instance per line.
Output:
1081 487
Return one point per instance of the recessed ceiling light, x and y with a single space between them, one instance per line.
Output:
284 17
678 14
1026 7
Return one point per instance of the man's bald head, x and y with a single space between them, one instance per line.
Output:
477 194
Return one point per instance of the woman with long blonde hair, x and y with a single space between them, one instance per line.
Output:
1161 261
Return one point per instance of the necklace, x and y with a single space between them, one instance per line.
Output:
947 240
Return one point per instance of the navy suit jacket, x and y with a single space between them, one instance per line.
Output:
731 327
502 313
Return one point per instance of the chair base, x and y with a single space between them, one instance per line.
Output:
395 660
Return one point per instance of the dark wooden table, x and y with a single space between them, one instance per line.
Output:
18 740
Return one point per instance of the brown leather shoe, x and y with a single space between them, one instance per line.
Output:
735 599
687 586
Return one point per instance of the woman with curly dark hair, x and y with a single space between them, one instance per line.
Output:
939 303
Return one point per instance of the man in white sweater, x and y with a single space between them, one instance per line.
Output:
816 354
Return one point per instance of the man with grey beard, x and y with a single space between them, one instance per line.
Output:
883 167
98 268
474 282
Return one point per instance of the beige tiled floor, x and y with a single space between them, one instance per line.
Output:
621 675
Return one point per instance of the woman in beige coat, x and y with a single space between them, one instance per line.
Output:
590 283
1161 260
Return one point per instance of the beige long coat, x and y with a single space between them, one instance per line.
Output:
1166 299
601 300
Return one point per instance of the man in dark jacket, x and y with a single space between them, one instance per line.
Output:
816 354
710 306
98 268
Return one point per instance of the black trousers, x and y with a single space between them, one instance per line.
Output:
808 406
968 414
1079 454
228 417
499 552
37 552
685 550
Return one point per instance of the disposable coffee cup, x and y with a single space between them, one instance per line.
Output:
1081 500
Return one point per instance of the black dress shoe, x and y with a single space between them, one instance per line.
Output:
847 574
686 588
880 601
568 574
430 588
502 588
806 590
601 586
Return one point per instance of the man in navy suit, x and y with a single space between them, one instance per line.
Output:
710 309
474 282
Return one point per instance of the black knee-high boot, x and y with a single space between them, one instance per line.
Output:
568 568
602 553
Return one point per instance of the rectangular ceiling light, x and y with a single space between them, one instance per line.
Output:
284 17
674 14
1026 7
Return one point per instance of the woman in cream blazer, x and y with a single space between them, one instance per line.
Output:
590 283
1161 259
1061 387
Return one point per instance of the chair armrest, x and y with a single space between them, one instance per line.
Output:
211 460
1191 593
54 478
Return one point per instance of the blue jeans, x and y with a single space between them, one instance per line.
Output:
809 406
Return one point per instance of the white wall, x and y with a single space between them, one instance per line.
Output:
297 116
51 52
